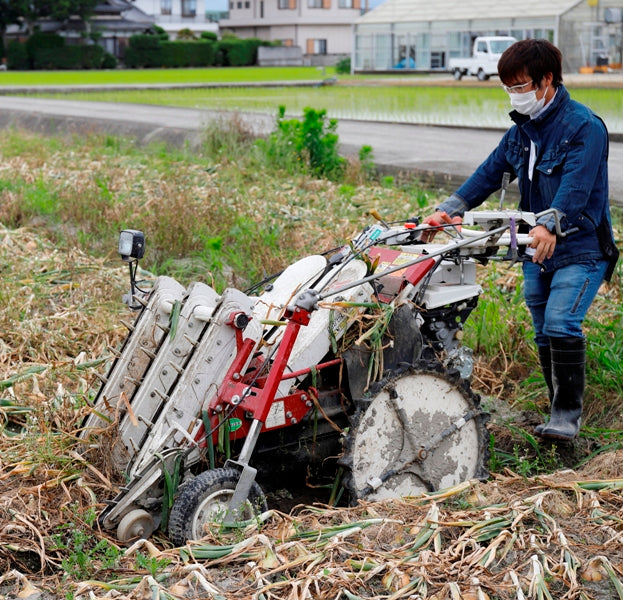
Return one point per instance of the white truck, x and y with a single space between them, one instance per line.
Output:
484 59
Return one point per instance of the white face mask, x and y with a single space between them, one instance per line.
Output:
527 103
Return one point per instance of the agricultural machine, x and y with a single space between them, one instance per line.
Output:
351 359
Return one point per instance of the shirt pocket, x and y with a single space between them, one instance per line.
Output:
550 169
516 154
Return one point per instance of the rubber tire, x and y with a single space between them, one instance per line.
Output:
182 520
458 74
482 76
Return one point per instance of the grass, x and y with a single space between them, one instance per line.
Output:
385 98
229 217
159 76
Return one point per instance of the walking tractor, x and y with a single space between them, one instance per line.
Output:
350 360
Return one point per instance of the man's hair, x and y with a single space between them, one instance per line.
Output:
534 57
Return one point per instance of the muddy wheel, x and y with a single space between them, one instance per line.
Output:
482 76
204 500
422 431
458 74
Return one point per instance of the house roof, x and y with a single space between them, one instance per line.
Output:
392 11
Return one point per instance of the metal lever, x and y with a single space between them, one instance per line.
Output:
375 213
505 181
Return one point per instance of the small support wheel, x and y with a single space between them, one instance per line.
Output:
205 499
482 76
458 74
137 524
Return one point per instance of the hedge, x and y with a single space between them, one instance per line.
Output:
188 53
234 52
143 50
49 51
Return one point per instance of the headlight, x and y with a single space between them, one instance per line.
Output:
131 244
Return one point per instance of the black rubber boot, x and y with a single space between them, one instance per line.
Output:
545 359
568 363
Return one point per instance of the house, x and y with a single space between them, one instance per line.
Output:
321 28
112 23
116 21
421 35
175 15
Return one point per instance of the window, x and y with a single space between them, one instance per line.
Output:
166 7
247 4
316 46
189 8
314 3
348 4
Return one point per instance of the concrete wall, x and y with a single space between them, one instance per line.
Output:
279 56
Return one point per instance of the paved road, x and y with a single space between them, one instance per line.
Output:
440 155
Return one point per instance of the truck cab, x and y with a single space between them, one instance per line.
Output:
483 62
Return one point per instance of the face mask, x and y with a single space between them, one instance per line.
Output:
527 103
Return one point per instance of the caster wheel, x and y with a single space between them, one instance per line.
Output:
137 524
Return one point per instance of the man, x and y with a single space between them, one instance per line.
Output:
558 151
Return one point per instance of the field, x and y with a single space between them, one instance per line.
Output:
421 98
535 530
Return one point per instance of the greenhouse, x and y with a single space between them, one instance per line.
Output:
420 35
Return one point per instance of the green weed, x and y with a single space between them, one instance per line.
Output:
152 564
305 146
83 554
528 458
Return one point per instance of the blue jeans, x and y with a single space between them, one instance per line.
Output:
559 300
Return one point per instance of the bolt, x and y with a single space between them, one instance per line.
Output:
164 372
236 376
235 399
218 408
197 381
289 414
293 421
308 404
303 397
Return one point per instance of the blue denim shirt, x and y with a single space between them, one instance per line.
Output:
570 174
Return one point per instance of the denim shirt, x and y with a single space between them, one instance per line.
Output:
570 174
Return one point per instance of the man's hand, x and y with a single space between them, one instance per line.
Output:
435 220
543 243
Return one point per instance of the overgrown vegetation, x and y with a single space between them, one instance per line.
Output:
229 215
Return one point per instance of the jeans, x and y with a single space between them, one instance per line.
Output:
558 300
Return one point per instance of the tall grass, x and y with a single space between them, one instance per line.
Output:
229 215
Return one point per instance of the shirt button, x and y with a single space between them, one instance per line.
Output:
526 149
549 170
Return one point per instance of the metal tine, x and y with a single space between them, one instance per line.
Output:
149 353
129 326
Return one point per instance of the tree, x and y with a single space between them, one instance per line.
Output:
10 13
30 11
